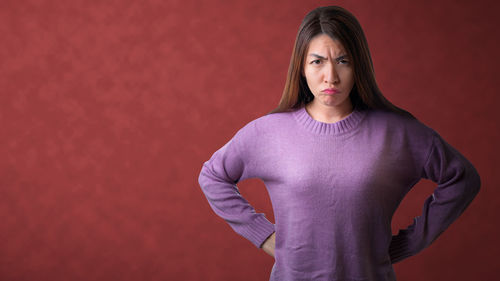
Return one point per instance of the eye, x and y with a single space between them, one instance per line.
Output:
316 62
343 61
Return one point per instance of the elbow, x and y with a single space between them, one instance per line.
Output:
202 175
474 182
200 178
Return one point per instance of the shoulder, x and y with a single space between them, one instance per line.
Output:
405 133
257 134
267 124
399 123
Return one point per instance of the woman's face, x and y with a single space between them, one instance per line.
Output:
329 72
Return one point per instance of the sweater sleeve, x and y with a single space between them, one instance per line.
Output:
218 178
457 184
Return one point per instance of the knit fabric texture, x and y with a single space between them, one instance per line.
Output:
334 188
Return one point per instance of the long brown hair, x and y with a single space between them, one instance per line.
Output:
339 24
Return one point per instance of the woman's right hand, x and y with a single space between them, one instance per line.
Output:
269 245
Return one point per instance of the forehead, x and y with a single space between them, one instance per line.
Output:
323 44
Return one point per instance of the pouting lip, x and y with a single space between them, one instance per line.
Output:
331 90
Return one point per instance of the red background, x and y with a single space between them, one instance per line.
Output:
109 109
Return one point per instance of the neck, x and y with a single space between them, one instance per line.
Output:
329 114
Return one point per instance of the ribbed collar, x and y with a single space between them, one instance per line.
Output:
347 124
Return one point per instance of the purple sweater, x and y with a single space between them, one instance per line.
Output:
334 188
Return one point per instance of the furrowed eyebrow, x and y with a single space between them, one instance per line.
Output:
323 58
341 58
317 56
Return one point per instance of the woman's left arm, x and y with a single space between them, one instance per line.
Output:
458 184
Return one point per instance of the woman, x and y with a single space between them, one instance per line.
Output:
337 158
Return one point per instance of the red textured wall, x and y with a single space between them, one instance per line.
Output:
108 110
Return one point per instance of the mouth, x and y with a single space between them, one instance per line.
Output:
330 91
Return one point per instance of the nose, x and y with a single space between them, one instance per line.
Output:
331 75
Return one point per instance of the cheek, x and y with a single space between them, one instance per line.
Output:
307 75
348 76
311 75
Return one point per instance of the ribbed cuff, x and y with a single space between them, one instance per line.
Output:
400 248
258 231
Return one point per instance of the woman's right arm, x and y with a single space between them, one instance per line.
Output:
218 178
